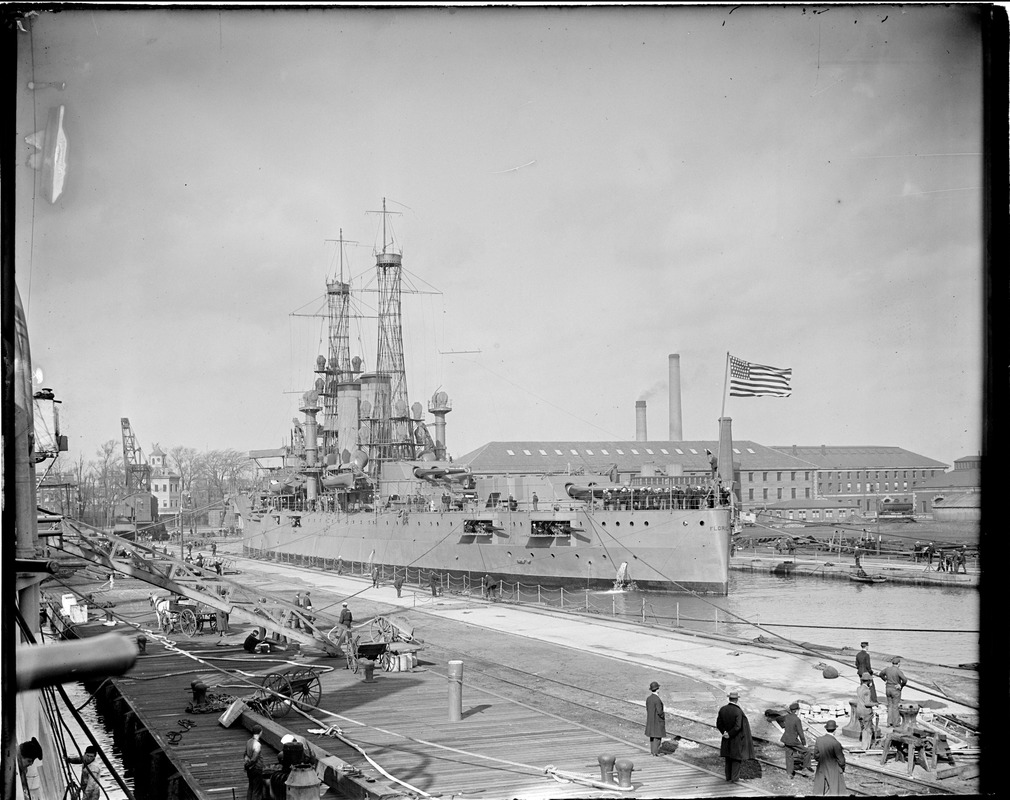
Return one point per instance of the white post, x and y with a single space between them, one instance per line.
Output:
587 599
643 609
678 613
613 605
455 691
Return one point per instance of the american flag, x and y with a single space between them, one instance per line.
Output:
758 380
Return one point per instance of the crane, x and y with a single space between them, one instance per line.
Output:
138 471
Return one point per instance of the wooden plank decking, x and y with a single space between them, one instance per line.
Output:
499 748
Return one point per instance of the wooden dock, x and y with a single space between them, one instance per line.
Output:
498 749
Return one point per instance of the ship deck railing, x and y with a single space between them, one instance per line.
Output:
625 604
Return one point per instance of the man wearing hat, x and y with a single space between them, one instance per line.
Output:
794 740
895 680
864 710
655 719
90 773
863 666
737 745
829 777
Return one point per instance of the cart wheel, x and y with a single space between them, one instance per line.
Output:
187 620
212 621
279 704
381 630
306 689
386 660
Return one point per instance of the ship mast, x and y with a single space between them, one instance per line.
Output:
391 431
338 364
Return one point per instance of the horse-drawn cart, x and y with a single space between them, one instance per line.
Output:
188 616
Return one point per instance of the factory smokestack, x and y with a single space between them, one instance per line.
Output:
676 422
641 434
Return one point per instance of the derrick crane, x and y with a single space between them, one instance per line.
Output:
138 471
244 603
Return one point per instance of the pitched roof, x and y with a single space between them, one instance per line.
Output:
955 479
963 500
533 457
860 457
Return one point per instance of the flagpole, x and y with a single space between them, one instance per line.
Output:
725 386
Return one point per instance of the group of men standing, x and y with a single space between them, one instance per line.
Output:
737 745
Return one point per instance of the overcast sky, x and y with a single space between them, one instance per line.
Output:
581 193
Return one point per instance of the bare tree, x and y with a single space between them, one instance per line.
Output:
110 476
186 462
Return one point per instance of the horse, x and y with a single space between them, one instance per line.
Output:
162 607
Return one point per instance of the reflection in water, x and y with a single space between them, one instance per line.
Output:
934 624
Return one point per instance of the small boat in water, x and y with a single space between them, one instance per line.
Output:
864 578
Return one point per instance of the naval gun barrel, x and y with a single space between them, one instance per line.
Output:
98 657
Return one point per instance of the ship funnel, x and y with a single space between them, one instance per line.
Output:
641 434
676 421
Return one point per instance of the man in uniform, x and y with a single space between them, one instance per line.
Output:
794 740
737 745
895 680
863 666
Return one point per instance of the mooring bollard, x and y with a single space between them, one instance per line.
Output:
607 767
455 691
369 666
624 769
199 692
142 644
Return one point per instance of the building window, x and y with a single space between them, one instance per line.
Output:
664 451
764 476
620 452
806 476
859 487
790 513
558 452
792 476
815 514
750 494
764 494
779 490
527 452
647 450
679 451
803 513
634 452
778 476
543 452
806 492
750 477
793 490
904 485
510 452
693 450
589 452
848 487
829 513
605 452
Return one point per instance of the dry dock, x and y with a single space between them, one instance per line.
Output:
502 745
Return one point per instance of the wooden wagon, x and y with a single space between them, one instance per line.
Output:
386 642
281 689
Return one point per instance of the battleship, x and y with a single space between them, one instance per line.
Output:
363 483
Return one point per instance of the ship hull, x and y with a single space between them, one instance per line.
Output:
679 550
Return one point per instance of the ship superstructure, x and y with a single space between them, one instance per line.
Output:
370 485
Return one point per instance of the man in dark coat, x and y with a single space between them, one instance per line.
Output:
863 666
737 745
794 740
655 719
829 779
253 763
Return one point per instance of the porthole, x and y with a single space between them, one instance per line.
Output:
647 523
604 523
576 555
701 522
632 523
619 523
552 555
604 555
